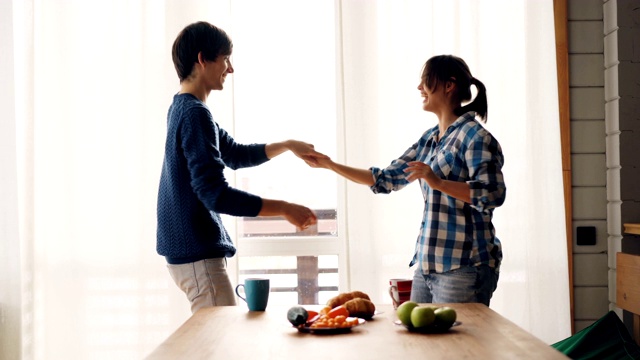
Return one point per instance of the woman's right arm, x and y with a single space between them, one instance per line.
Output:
357 175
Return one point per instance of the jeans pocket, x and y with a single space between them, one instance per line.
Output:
455 286
184 276
487 282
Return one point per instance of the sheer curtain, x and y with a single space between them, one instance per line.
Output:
509 45
93 81
87 86
10 247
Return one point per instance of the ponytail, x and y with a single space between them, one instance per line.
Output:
441 69
479 104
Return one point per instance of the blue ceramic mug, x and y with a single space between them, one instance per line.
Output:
256 292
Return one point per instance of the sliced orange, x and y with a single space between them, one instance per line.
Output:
312 314
338 310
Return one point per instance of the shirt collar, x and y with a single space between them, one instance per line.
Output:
468 116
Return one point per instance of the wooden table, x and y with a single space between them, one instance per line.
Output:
233 332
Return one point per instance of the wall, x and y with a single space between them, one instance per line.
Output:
626 29
588 161
622 40
604 83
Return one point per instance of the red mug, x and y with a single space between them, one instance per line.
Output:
399 291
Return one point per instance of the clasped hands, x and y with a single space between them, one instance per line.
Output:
308 154
414 170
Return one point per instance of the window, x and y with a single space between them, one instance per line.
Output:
269 58
294 279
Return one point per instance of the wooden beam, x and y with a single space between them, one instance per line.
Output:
562 63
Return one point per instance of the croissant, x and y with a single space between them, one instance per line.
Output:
360 307
344 297
360 295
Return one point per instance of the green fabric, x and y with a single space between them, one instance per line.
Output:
606 339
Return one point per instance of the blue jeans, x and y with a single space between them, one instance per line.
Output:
474 284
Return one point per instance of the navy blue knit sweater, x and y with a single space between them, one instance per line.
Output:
193 190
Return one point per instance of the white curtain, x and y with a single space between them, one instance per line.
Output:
86 85
509 45
10 247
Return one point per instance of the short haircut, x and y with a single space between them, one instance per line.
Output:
199 37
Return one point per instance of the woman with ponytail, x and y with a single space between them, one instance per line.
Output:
458 164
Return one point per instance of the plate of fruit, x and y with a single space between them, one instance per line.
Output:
338 316
427 319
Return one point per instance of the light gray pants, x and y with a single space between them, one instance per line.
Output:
205 282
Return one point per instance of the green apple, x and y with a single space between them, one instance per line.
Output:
445 317
422 316
404 312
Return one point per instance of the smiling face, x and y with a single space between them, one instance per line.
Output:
197 43
215 72
433 99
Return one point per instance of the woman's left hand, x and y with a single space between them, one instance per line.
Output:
420 170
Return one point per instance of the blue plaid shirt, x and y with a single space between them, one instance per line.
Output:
454 233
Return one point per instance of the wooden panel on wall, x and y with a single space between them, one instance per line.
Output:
627 285
628 288
562 63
